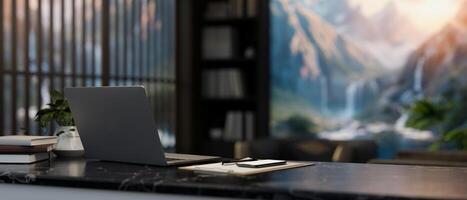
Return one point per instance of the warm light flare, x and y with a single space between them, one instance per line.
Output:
431 15
427 15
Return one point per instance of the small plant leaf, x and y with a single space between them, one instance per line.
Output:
58 110
45 119
55 96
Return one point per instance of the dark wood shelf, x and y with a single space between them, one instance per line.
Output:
230 104
238 22
218 148
229 63
248 100
215 0
247 33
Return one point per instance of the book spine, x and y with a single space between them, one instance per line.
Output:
249 125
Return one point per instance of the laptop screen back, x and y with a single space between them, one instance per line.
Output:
116 124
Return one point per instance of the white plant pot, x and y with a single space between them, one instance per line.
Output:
69 143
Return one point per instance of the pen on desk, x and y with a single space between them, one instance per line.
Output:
237 161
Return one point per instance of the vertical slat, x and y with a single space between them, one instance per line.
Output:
26 66
173 96
13 67
155 60
148 47
39 53
51 52
125 43
174 67
62 45
93 42
133 41
51 45
164 65
83 43
169 65
117 43
131 44
73 43
154 57
2 66
105 42
140 40
158 86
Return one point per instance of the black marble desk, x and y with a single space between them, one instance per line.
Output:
322 181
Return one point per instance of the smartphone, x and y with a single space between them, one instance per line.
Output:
261 163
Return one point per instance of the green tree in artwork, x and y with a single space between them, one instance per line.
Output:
301 125
445 115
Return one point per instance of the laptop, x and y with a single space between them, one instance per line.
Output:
116 124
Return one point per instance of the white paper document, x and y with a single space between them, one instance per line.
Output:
233 169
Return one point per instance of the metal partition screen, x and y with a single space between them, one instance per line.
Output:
53 44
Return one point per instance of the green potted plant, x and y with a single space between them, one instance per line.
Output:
58 111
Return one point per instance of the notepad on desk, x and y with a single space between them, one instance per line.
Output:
219 168
23 140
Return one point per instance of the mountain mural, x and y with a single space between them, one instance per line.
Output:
341 71
313 61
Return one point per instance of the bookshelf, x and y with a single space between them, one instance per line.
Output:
230 74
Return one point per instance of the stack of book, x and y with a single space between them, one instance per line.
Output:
239 126
223 84
231 9
26 149
219 42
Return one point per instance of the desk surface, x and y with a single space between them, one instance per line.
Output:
323 180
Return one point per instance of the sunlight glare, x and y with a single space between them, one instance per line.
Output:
427 15
430 15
